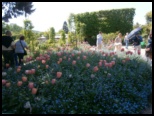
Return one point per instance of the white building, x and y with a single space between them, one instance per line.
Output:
42 39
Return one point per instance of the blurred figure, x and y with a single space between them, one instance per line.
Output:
136 42
19 49
8 47
126 40
99 41
118 42
148 49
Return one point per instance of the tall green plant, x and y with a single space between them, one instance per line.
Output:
52 35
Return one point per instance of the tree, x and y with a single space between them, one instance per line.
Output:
148 17
52 34
136 25
62 40
15 28
28 33
5 27
65 27
71 22
15 9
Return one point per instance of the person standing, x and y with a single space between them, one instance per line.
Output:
8 46
99 41
126 40
19 49
148 48
118 44
136 42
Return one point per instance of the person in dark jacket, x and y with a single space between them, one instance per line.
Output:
136 42
8 47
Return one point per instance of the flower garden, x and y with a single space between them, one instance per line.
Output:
67 81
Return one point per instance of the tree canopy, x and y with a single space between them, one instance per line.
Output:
15 9
148 17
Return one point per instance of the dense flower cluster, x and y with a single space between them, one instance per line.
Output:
78 82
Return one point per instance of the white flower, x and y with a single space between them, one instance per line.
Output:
108 74
92 75
114 59
9 69
27 105
70 75
4 74
37 98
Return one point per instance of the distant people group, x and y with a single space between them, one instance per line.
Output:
12 51
117 43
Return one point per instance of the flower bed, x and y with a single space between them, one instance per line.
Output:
78 82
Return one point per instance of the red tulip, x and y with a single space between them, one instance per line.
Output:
8 84
3 81
7 65
47 66
73 62
95 69
59 74
84 57
32 71
87 65
100 64
31 85
19 83
43 61
60 59
53 81
18 69
113 62
24 79
34 91
139 52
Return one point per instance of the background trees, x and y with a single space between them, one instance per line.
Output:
65 27
108 21
52 35
15 9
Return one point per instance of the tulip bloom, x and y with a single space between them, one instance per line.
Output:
59 74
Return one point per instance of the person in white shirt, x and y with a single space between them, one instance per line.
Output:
99 41
118 42
126 40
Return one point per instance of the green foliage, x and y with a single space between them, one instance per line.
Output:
52 35
5 27
62 40
70 37
109 36
117 20
15 29
71 22
87 24
108 21
148 17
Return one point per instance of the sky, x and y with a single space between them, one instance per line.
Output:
53 14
